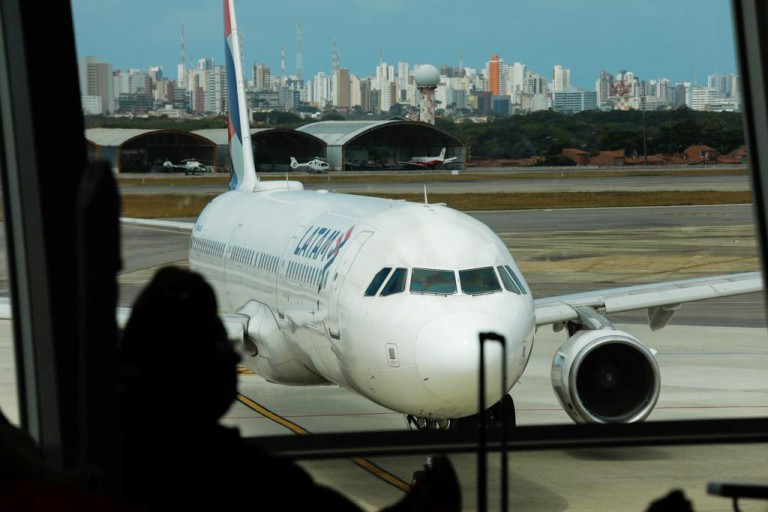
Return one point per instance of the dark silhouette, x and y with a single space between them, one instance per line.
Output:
178 378
28 483
675 501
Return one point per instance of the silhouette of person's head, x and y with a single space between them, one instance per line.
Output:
175 353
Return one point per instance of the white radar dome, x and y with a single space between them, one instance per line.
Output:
427 75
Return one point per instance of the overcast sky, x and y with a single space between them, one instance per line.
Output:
683 40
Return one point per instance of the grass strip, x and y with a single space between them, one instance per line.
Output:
176 205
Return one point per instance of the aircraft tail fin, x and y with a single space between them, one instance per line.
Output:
442 154
294 163
240 148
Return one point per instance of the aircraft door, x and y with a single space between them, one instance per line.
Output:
338 279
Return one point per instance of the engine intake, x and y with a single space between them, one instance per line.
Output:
605 376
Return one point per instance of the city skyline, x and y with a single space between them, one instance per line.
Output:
689 41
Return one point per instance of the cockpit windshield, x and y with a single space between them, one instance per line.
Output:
396 283
479 280
376 282
437 282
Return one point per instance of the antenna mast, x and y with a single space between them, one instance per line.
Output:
335 57
182 70
282 65
299 57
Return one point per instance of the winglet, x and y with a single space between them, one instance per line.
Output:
442 154
240 148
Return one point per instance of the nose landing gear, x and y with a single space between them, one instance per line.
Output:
504 409
429 424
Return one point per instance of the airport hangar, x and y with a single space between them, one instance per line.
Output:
346 145
353 145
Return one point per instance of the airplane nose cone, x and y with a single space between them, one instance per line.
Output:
448 360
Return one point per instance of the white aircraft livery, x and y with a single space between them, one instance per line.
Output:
388 298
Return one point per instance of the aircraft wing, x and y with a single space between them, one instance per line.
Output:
166 225
661 299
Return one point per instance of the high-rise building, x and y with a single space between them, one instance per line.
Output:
402 81
500 105
575 101
561 78
321 90
603 87
262 77
216 92
365 95
133 90
156 73
96 80
519 72
354 91
206 63
341 88
534 84
701 98
494 75
680 94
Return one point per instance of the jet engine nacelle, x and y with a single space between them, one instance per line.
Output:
266 352
605 376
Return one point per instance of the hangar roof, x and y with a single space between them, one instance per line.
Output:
220 136
338 133
113 136
341 133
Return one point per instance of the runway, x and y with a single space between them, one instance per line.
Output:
713 359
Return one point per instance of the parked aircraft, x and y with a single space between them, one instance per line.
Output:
388 298
428 162
317 165
189 166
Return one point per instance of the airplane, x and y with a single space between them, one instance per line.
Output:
190 166
385 298
428 162
317 164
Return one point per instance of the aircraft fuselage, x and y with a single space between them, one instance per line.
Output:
308 259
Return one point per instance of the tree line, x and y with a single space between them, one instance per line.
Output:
544 133
547 133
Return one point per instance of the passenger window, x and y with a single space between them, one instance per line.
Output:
479 280
516 279
396 283
438 282
509 284
376 282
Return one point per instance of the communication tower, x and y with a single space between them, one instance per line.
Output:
335 61
299 57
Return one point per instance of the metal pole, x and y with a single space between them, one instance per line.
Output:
645 148
482 453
